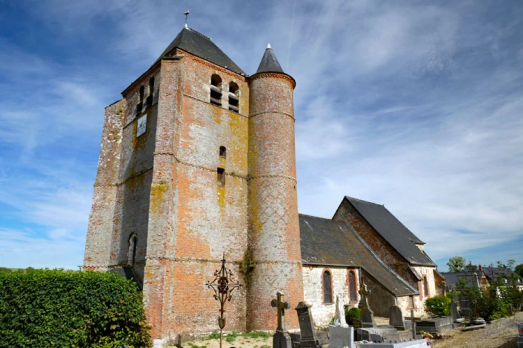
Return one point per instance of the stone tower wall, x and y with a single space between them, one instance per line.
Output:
274 236
193 219
99 233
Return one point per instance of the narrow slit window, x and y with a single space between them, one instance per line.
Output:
139 106
151 92
234 100
221 176
216 90
327 287
223 151
426 287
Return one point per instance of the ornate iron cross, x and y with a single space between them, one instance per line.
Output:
281 306
223 285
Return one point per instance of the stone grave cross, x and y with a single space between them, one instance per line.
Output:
367 315
281 306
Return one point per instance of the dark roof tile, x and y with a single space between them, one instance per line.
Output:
327 242
392 230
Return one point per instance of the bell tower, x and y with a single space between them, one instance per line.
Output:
274 235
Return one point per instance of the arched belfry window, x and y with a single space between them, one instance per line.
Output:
327 287
216 90
131 252
352 286
139 106
234 98
425 287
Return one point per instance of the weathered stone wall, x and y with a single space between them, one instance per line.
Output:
98 244
274 235
313 291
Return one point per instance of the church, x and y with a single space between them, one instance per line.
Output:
197 161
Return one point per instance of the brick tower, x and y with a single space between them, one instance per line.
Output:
274 235
197 160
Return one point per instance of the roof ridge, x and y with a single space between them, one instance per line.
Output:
362 200
197 32
318 217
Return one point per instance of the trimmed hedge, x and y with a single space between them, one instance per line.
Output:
58 308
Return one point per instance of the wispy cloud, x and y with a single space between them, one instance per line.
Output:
413 105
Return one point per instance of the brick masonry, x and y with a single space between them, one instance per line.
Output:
162 188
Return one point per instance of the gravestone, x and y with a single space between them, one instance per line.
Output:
434 325
410 344
454 313
520 338
383 334
281 339
367 315
396 318
308 337
340 337
340 312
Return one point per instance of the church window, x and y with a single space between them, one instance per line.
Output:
149 101
221 176
425 287
327 287
223 151
352 286
131 251
234 100
216 90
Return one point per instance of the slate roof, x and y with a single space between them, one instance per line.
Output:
327 242
452 278
392 230
501 274
200 45
269 62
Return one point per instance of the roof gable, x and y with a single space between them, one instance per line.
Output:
201 46
327 242
392 230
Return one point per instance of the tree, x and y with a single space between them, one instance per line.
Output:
456 264
519 270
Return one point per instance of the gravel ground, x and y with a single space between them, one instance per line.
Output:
500 333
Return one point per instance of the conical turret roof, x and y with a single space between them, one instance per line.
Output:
200 45
269 62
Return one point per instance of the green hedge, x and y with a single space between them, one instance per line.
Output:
58 308
438 305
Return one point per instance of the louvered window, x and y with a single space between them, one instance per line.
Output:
234 100
216 90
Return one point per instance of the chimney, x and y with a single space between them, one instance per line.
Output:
480 268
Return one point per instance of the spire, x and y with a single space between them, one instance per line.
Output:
269 62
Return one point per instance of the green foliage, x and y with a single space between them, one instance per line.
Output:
5 270
438 305
57 308
196 346
351 314
214 335
256 334
456 264
519 270
231 336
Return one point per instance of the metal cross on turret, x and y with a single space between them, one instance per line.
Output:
281 306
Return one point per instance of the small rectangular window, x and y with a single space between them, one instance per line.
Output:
221 176
223 151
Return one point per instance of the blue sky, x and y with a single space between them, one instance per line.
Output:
412 104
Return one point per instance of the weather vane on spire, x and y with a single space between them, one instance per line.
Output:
186 13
